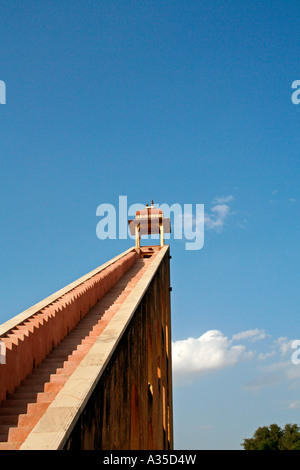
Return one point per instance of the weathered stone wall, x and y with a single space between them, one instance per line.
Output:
131 406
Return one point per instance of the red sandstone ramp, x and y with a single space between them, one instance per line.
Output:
46 344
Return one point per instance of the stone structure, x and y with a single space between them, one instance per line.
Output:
149 221
90 366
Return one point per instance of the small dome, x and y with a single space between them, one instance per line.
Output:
149 212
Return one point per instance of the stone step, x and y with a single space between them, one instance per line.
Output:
52 387
29 419
67 370
61 354
10 419
4 428
46 367
71 345
21 395
60 378
51 360
14 339
44 370
9 445
19 434
31 388
10 411
82 329
82 349
35 382
38 408
43 374
40 378
14 403
46 397
22 410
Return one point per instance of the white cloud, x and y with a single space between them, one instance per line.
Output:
281 371
283 345
264 356
221 210
215 220
294 404
211 351
222 199
243 223
252 335
292 371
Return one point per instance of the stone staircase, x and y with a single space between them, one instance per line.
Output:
21 410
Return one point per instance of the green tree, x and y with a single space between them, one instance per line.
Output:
274 438
291 438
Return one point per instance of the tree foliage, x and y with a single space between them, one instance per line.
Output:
274 438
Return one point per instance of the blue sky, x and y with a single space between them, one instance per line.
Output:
180 102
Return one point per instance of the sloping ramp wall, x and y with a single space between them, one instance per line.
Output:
120 395
30 336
